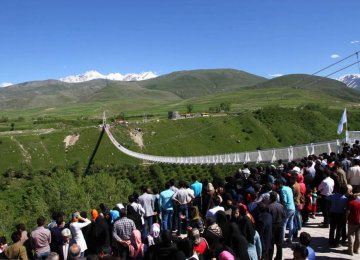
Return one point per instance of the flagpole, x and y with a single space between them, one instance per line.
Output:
346 129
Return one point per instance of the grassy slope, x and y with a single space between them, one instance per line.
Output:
266 128
193 83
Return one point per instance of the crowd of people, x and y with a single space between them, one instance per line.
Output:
251 214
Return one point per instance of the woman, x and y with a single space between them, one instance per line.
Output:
195 220
137 249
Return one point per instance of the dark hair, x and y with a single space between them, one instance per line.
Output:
15 236
123 212
305 238
193 178
186 246
3 240
105 249
40 221
59 220
302 250
216 200
20 227
131 198
167 186
273 196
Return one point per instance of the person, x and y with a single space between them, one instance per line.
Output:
182 198
287 199
212 211
353 219
75 252
122 230
254 249
137 249
195 220
353 176
326 188
102 233
338 205
277 212
56 236
200 244
41 239
196 186
305 240
313 203
78 222
264 228
300 252
147 200
3 246
16 250
166 207
63 249
154 236
53 256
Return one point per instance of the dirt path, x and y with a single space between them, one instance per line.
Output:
24 152
137 137
27 132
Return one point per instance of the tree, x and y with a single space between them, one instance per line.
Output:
189 107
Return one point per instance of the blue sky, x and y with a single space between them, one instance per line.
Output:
43 39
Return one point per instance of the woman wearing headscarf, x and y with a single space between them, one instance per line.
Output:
154 236
246 224
137 249
166 250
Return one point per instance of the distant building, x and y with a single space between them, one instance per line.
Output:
174 115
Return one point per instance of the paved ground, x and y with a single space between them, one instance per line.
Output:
320 243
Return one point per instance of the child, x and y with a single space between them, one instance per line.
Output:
313 203
307 210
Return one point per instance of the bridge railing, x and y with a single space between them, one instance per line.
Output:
268 155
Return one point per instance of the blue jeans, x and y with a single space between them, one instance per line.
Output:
42 256
148 221
167 216
289 219
182 211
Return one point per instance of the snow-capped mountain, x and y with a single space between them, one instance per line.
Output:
93 74
351 80
5 84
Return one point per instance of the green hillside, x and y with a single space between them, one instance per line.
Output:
194 83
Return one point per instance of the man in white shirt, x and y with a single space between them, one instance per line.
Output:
78 223
326 188
182 199
353 176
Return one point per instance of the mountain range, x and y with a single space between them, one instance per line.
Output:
351 80
93 74
206 88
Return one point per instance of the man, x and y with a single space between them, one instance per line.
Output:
16 250
122 230
147 201
166 207
278 215
63 249
196 186
76 225
264 228
287 199
182 198
353 176
338 205
75 252
41 239
353 219
326 188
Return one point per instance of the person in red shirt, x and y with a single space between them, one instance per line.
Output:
353 224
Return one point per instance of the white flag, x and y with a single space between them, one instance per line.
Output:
343 120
